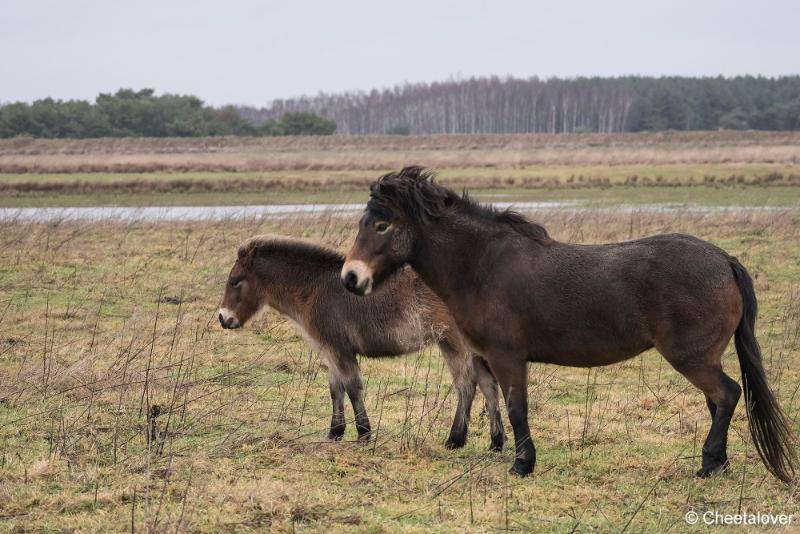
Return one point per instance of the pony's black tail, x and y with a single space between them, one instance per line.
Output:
768 425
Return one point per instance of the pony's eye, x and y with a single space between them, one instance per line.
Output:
381 227
236 283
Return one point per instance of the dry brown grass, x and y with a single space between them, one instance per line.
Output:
316 184
338 153
86 344
132 145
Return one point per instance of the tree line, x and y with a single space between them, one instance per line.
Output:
129 113
513 105
475 105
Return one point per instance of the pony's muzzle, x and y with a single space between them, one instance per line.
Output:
227 319
356 278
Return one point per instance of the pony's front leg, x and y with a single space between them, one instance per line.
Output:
355 390
350 376
513 378
337 399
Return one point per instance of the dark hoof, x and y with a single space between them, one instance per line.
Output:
712 470
364 437
521 468
497 443
335 435
455 442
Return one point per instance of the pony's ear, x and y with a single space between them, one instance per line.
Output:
246 254
385 190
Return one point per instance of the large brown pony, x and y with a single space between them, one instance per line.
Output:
301 281
519 296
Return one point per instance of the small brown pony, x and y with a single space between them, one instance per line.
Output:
301 281
519 296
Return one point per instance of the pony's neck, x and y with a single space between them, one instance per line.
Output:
447 253
288 283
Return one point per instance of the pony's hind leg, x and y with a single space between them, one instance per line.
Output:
464 383
715 449
722 394
491 395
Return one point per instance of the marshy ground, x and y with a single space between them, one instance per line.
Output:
101 322
710 167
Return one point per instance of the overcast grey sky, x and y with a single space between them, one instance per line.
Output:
249 52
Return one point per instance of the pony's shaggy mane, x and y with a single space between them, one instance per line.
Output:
413 192
264 245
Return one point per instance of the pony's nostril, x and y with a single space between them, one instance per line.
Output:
221 320
350 280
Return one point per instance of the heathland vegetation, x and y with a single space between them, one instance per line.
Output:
709 167
124 404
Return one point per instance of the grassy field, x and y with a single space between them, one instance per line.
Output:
716 167
101 321
89 341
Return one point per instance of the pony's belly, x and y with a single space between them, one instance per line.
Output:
597 360
408 334
591 356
